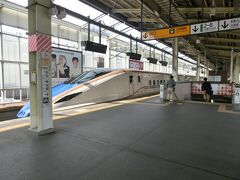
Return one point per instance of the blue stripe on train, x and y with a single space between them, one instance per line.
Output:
58 89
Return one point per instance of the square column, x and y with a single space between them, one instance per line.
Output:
198 67
237 70
39 28
175 59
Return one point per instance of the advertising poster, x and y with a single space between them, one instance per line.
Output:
218 89
65 64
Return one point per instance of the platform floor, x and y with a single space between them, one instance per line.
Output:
141 140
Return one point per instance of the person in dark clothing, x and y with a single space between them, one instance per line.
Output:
207 90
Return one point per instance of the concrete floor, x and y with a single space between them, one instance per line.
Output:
139 141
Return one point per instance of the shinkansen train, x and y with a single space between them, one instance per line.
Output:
102 85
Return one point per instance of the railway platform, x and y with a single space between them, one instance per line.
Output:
129 139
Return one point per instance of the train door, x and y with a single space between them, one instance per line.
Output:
135 84
138 84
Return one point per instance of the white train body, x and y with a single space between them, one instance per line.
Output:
114 85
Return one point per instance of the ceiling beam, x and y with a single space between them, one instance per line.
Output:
149 20
127 10
220 53
230 32
220 46
220 39
206 9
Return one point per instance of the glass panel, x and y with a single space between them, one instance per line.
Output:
24 75
74 20
14 31
68 43
74 5
11 75
10 48
21 3
1 75
23 49
0 46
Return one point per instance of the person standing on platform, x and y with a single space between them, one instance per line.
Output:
170 88
207 90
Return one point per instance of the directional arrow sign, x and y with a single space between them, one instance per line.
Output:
229 24
207 27
195 29
204 27
224 25
166 32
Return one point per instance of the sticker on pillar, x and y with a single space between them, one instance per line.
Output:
237 95
45 56
161 91
45 86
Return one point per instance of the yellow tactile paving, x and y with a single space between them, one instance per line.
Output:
18 123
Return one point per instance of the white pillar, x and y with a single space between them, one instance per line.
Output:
39 27
237 70
198 67
207 73
175 59
206 62
231 66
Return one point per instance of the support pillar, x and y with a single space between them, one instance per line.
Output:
206 62
175 59
207 73
198 67
237 70
231 66
39 27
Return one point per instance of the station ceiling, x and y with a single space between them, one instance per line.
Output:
163 13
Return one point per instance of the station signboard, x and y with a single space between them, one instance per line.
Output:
229 24
204 27
192 29
135 64
166 33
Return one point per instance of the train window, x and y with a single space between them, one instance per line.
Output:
157 82
130 79
150 82
139 78
154 82
67 98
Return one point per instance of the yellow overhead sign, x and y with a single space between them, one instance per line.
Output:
166 33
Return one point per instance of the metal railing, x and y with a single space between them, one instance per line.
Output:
14 95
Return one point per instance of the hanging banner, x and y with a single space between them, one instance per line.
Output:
191 29
229 24
166 33
204 27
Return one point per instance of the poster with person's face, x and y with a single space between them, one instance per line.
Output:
65 64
